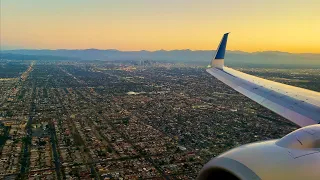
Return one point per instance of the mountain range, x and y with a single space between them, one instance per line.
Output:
200 57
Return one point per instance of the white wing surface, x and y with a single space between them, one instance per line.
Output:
301 106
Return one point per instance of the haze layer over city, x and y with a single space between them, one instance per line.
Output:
119 90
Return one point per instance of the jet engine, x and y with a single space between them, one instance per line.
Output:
295 156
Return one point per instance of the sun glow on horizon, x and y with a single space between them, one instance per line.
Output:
267 25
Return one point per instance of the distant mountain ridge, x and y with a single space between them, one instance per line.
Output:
12 56
186 55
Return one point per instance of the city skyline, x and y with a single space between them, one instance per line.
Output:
288 26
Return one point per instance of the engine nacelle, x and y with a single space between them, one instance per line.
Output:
295 156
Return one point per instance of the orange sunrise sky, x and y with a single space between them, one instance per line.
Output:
286 25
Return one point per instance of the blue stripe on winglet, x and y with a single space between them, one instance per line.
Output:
222 48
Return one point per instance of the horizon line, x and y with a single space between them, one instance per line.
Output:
192 50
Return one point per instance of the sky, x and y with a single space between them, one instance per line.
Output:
255 25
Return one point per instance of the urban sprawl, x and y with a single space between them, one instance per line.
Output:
125 120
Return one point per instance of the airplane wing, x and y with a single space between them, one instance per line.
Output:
298 105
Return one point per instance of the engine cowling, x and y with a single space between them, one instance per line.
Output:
295 156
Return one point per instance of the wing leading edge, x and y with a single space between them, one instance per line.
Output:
300 106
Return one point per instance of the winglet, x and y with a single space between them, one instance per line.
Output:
218 60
